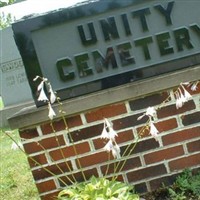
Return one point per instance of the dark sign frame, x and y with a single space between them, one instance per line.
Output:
22 34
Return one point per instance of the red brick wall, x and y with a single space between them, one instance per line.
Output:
151 163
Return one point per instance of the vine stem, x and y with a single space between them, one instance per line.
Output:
108 165
61 151
72 141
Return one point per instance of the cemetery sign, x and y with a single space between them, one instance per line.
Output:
101 44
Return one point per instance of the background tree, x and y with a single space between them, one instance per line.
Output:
5 20
5 3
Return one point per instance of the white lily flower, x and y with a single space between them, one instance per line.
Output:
51 112
52 95
153 130
42 96
112 134
108 147
183 98
179 102
116 151
150 112
187 95
194 86
107 123
108 131
114 148
40 86
104 133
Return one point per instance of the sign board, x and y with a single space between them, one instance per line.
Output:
101 44
14 87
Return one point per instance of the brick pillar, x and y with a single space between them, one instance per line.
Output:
151 163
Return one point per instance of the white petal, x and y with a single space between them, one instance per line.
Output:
14 146
40 86
35 78
182 98
140 117
52 98
153 130
42 96
194 87
179 102
108 124
185 83
116 151
187 95
108 147
150 111
52 95
104 133
112 133
51 112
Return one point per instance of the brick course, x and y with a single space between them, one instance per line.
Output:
185 162
179 136
148 172
106 112
194 146
164 154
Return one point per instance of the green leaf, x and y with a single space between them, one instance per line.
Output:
99 189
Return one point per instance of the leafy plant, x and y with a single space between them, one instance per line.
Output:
4 3
99 189
174 195
6 19
187 182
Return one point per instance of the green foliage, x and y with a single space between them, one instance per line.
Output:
3 3
1 103
99 189
187 182
185 185
174 195
6 20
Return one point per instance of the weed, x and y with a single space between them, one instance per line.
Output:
176 195
14 170
187 182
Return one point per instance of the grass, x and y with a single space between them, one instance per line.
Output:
1 103
16 181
